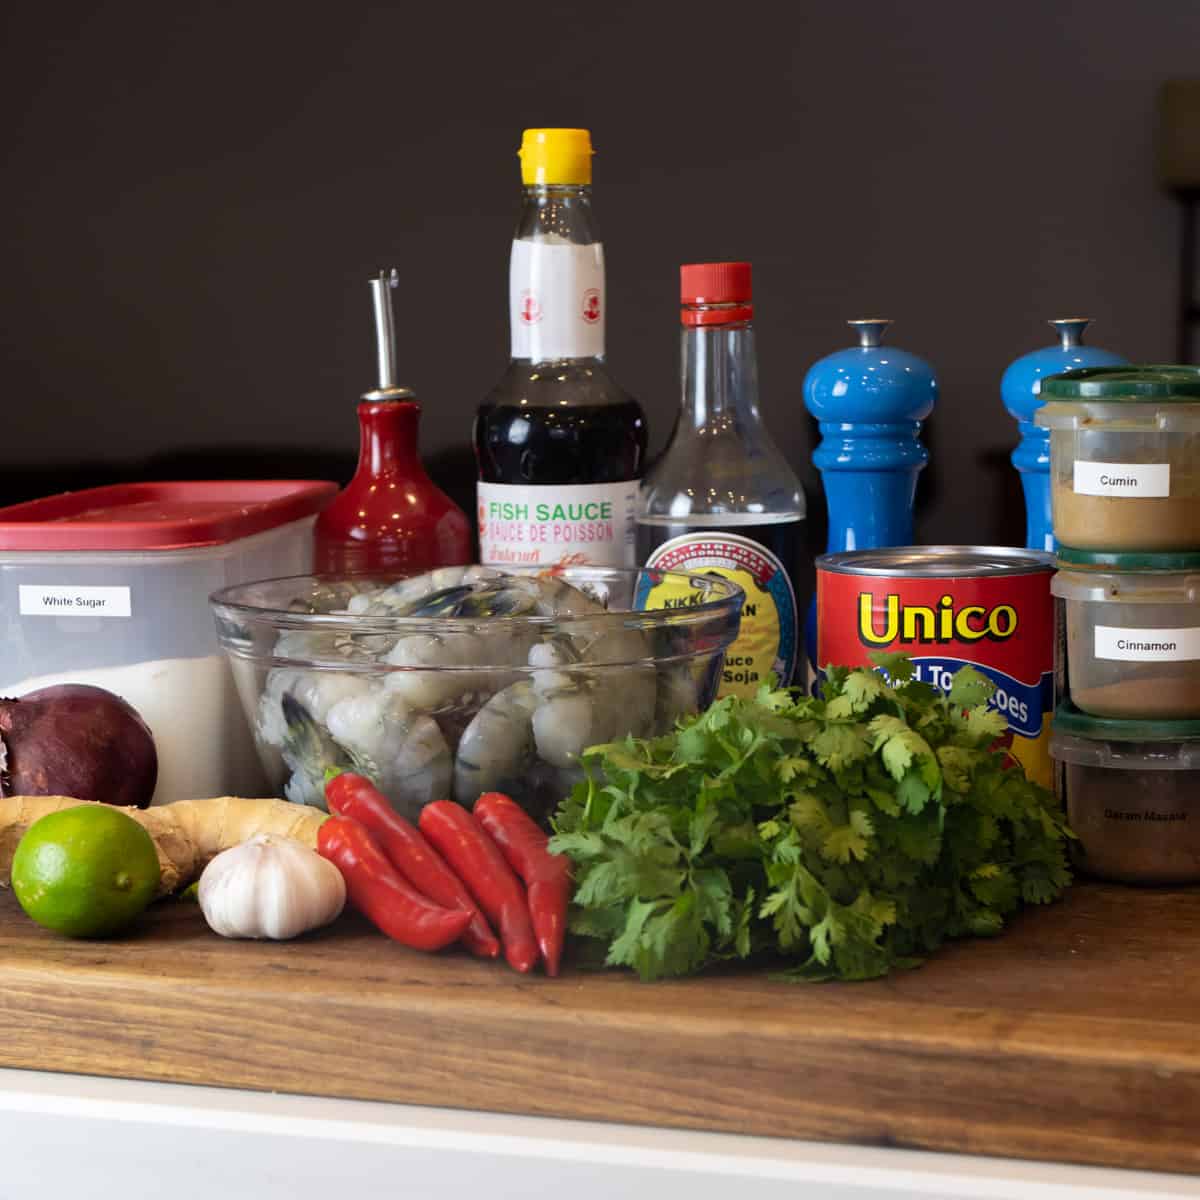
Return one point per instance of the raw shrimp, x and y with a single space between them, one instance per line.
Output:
554 596
291 713
317 691
402 751
623 680
308 752
486 648
579 705
405 592
431 689
496 747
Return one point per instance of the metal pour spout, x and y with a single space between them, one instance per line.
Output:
385 338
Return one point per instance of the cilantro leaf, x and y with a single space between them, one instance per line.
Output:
849 841
896 665
970 688
984 725
838 746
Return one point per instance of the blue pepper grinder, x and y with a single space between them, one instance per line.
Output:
869 401
1020 389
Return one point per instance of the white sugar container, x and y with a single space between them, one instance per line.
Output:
110 587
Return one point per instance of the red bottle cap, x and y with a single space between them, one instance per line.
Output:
726 284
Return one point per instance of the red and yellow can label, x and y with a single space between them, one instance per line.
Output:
1003 625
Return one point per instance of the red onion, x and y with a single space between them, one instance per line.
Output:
79 741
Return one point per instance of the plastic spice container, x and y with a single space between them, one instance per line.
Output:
1132 791
1133 632
1124 457
110 587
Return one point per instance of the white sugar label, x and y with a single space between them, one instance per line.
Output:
556 300
1141 480
57 600
557 525
1147 645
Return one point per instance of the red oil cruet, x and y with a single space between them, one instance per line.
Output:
391 516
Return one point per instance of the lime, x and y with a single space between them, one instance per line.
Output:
85 871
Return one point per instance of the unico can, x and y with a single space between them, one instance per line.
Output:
946 606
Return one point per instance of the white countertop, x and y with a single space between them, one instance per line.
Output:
95 1138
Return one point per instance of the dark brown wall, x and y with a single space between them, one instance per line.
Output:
194 196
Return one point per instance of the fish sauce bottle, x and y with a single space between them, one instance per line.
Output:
722 499
559 445
391 516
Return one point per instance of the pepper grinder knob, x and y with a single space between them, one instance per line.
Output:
1070 331
870 331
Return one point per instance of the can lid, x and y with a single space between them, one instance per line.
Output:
1069 720
556 156
1123 560
160 516
1152 381
937 562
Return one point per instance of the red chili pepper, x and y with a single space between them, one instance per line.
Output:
480 865
547 876
355 796
382 894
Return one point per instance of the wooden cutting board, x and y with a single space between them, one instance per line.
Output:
1073 1037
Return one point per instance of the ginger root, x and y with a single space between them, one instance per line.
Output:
187 834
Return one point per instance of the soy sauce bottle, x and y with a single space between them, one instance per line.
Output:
722 498
559 445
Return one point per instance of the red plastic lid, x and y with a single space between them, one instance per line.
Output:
727 283
160 516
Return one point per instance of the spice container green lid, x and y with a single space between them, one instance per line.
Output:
1070 722
1126 384
1124 457
1069 557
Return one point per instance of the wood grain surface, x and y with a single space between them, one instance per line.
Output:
1074 1037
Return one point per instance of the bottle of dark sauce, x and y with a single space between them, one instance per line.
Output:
722 498
559 445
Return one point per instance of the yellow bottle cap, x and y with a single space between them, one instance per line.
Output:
556 156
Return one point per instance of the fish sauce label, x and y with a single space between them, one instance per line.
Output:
590 524
556 299
1003 625
768 638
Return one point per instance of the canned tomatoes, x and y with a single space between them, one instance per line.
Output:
945 606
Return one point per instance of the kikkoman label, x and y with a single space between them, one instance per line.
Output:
588 524
768 640
1003 625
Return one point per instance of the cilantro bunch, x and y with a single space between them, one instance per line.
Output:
848 834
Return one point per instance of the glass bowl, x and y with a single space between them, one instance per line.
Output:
468 679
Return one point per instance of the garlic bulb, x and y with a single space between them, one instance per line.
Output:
270 887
